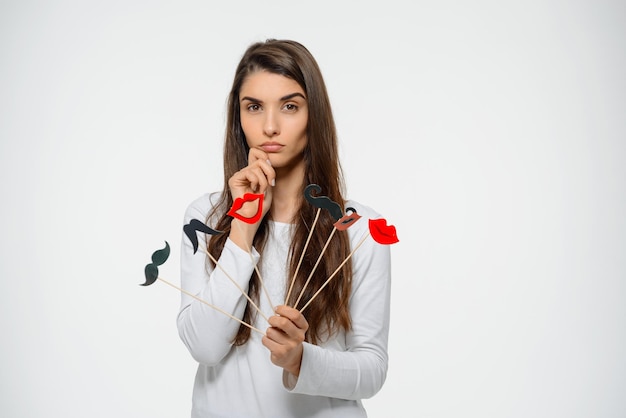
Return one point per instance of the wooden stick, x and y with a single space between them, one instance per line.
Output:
335 272
256 268
213 306
243 292
315 266
306 244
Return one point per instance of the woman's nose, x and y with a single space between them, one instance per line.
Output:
270 125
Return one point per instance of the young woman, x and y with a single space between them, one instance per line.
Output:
320 362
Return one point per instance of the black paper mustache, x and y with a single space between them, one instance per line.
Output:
322 202
195 225
152 270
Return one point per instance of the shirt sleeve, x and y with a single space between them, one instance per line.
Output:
357 367
207 332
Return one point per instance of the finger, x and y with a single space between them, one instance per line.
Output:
278 343
261 181
279 346
285 326
287 356
241 182
270 343
262 160
284 331
256 154
277 335
252 178
293 315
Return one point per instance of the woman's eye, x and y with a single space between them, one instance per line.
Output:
291 107
253 107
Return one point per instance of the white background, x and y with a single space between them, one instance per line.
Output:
491 134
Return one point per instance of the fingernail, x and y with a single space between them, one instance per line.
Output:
273 182
269 162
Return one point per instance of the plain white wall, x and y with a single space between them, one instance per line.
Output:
492 134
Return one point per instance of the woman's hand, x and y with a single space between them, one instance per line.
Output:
257 177
285 337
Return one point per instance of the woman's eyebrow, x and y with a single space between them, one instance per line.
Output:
292 95
287 97
251 99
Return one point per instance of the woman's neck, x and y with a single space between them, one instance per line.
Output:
287 194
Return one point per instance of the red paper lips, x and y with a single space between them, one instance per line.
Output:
346 221
240 201
381 232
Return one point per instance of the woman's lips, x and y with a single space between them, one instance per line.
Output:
271 146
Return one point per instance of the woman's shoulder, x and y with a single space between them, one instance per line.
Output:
200 207
365 213
363 210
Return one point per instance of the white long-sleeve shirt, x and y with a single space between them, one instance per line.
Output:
241 381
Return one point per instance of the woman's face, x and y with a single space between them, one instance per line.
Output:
274 117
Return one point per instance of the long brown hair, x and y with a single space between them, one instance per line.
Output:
329 312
